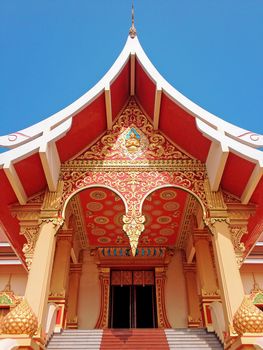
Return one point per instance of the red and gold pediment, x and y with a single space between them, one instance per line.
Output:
129 166
133 138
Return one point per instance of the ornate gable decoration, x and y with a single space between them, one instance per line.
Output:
132 138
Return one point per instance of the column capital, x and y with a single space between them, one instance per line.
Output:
75 268
189 267
201 234
65 235
50 211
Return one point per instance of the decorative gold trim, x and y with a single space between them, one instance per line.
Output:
104 276
21 320
31 234
237 233
80 224
135 165
160 278
186 226
215 200
133 226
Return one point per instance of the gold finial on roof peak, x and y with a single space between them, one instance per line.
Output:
132 31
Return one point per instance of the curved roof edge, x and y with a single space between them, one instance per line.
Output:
55 126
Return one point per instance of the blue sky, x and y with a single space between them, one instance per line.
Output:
53 51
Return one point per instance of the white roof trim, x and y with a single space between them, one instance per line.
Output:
233 135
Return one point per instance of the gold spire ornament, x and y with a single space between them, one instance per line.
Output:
132 31
21 320
133 226
248 318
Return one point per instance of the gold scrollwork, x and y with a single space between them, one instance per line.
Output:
237 233
31 234
113 145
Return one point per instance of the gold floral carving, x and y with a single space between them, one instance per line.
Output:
104 276
239 215
56 221
133 182
21 320
215 200
28 216
52 205
160 277
187 223
132 118
248 318
237 233
31 234
133 226
52 199
133 159
229 198
37 199
209 294
80 224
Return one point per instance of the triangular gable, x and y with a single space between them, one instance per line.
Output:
133 138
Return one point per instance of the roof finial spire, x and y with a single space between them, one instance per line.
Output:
132 31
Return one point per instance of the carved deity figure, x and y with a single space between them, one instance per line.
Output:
132 143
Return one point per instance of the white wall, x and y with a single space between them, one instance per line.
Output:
175 293
89 294
247 271
18 278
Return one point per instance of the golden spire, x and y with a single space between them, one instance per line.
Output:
132 31
8 285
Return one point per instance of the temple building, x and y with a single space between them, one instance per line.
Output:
131 213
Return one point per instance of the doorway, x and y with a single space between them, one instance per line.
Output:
132 300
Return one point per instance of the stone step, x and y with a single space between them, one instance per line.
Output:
131 339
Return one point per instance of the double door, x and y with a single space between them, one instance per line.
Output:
132 299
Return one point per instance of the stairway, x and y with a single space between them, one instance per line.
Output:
192 339
76 339
135 339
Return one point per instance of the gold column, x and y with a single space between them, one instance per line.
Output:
194 314
204 262
206 274
160 277
60 275
73 295
39 222
38 282
232 292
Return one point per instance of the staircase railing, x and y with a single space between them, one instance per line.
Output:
218 320
51 320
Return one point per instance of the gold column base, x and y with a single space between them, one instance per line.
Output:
72 325
206 300
192 323
61 313
247 341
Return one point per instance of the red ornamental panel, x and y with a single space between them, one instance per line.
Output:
134 185
143 278
129 277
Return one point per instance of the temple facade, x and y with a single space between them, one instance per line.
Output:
132 208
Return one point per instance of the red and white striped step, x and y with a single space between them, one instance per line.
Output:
135 339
